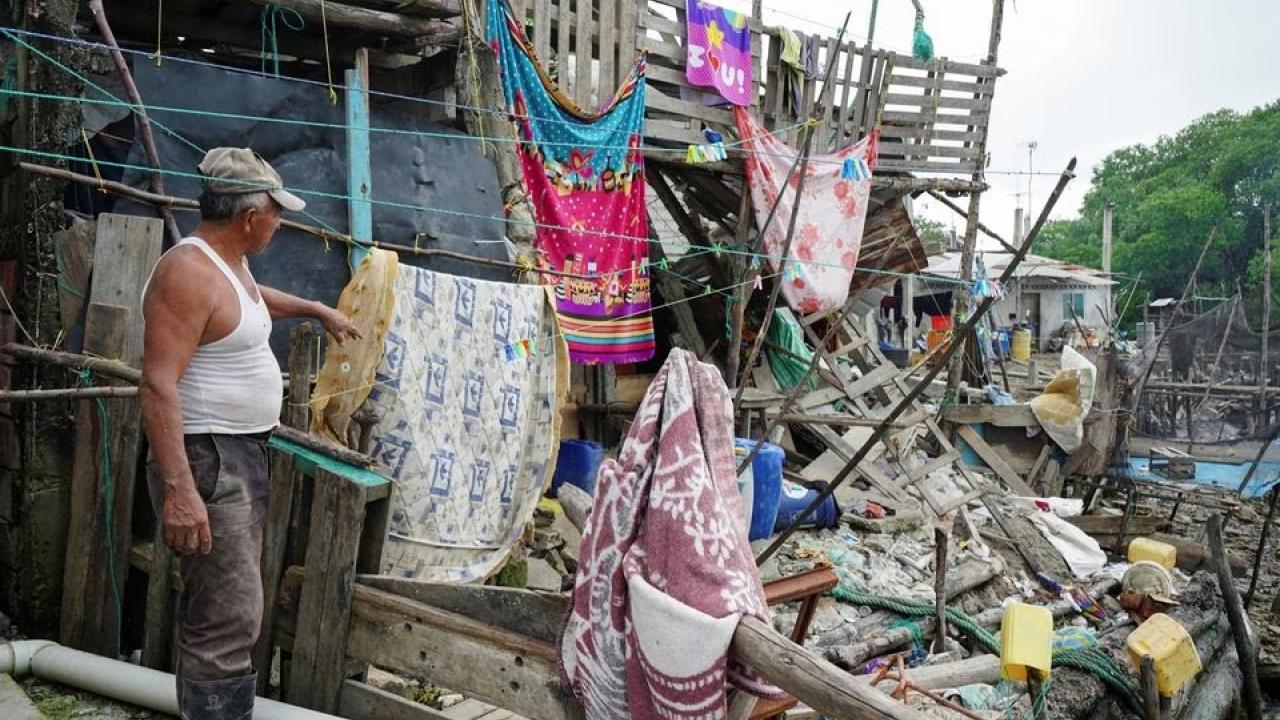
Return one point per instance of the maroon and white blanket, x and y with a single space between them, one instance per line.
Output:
666 571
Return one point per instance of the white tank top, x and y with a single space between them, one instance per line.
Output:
233 384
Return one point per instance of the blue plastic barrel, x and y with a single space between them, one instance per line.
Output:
577 464
795 498
766 470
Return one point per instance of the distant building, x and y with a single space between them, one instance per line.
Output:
1042 295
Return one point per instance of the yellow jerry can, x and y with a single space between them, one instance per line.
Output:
1162 554
1170 647
1026 640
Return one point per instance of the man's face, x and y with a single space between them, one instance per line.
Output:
259 225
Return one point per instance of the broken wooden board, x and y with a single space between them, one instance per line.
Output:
998 415
126 249
995 462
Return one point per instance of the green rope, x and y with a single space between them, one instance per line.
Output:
267 30
108 491
1092 660
921 43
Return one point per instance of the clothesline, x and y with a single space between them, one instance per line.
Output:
724 249
306 81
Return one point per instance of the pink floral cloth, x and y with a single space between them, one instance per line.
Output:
832 213
666 570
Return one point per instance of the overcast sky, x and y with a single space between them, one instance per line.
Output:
1085 77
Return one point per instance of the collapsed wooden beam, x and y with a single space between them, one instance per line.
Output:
110 368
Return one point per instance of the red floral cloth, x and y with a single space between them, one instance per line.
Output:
832 213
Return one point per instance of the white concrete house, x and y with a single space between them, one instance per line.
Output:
1043 292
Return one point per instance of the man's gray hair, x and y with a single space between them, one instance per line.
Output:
222 207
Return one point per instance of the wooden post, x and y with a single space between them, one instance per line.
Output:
324 607
740 293
284 506
1150 692
1108 216
359 170
940 541
108 437
960 303
1264 368
1262 544
1252 696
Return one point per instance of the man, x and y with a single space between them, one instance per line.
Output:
211 393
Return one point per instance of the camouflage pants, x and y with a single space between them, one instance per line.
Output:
221 608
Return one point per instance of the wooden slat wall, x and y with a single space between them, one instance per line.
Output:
932 115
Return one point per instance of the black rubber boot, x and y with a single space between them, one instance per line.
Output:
229 699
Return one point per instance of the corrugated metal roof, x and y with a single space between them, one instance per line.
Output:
948 265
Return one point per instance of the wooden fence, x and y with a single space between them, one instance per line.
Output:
932 115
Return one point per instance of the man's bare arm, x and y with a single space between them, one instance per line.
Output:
283 305
177 309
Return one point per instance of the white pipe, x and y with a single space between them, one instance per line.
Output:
118 680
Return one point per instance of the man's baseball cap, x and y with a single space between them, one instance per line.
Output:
235 171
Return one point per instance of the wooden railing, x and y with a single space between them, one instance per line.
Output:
932 115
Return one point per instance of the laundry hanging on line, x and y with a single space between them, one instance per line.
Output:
468 435
833 210
584 175
719 51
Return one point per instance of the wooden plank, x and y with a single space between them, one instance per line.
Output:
947 66
998 415
608 76
923 81
73 249
538 615
359 170
125 250
995 462
582 54
409 637
927 150
909 134
902 117
657 100
878 376
918 166
1037 466
937 101
629 15
324 607
819 397
866 468
564 27
158 631
943 460
359 701
542 20
1052 479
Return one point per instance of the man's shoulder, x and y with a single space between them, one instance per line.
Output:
183 272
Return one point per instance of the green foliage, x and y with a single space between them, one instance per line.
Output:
933 234
1216 172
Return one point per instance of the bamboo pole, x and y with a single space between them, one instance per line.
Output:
1262 545
919 388
948 202
317 232
1264 369
80 393
104 366
960 304
156 181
